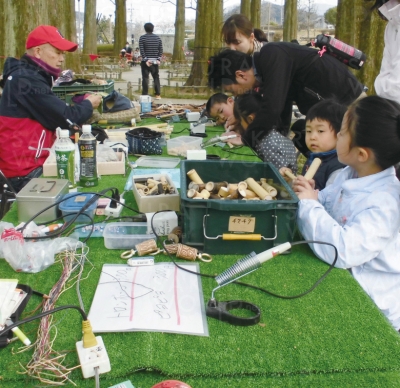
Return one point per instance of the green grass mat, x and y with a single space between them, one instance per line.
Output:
333 337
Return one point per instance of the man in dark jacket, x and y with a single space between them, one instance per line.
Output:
284 73
29 111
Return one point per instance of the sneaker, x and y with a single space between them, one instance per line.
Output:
158 97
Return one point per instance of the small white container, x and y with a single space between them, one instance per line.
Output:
125 235
179 145
144 99
192 116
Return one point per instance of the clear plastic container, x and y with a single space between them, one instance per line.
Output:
179 145
73 205
125 235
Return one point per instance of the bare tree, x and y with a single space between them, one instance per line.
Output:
120 30
255 13
310 12
207 39
245 8
363 29
290 21
20 20
178 54
89 39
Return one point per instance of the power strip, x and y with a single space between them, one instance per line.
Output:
114 211
94 357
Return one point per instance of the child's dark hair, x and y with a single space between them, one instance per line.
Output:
240 23
328 110
245 105
217 98
374 122
222 67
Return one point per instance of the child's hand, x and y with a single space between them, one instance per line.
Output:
282 171
230 123
303 189
236 140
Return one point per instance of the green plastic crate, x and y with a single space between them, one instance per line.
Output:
71 90
205 221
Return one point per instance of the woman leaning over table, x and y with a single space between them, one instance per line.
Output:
238 34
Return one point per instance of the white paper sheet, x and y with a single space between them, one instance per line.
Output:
161 298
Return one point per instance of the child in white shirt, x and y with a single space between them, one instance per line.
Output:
360 212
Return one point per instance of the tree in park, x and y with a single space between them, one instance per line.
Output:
359 27
330 16
290 21
120 30
21 20
178 55
89 39
255 13
207 39
245 8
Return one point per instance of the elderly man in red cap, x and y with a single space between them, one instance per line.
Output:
29 111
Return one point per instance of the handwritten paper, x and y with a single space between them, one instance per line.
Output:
161 298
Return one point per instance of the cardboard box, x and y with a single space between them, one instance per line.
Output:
104 168
154 203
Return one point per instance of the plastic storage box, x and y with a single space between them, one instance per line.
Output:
154 203
38 194
74 203
206 221
62 91
125 235
179 145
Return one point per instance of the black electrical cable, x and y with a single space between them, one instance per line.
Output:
331 266
41 315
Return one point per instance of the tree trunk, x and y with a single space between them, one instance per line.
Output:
178 55
359 27
256 13
120 30
290 21
22 16
89 37
207 39
245 8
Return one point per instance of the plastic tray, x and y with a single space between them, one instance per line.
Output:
159 162
62 91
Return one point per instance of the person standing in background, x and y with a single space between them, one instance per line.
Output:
387 83
151 50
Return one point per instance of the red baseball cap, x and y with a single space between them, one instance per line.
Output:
49 34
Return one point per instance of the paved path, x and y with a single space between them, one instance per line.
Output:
134 73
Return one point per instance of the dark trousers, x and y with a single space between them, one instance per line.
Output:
20 181
153 70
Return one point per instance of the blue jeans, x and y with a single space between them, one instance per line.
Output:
19 182
146 71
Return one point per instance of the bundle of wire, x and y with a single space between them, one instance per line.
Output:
46 365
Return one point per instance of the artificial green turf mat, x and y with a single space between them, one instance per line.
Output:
334 336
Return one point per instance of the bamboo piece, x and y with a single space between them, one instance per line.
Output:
290 175
223 192
192 174
313 168
259 190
